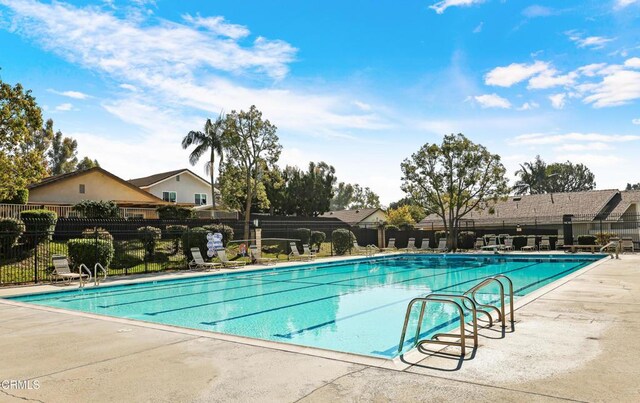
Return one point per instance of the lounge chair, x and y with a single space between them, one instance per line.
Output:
559 244
544 243
411 245
198 262
359 249
222 255
479 243
306 251
508 244
442 246
256 256
391 246
531 244
492 244
295 254
62 271
627 245
424 246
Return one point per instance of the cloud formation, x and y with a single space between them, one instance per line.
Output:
441 6
492 101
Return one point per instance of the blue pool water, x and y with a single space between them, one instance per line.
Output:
356 307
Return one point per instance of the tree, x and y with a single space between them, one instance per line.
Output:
209 140
21 140
308 193
62 154
400 217
348 196
87 163
635 186
251 144
343 194
453 179
537 177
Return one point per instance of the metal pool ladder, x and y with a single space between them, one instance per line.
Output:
460 302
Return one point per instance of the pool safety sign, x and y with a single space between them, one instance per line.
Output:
214 241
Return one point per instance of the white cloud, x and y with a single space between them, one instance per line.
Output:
633 63
492 101
528 106
558 100
594 42
441 6
635 121
128 87
595 146
514 73
363 106
218 26
618 88
571 138
71 94
64 107
478 28
624 3
535 11
550 79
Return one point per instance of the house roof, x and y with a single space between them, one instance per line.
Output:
584 205
351 216
57 178
628 197
151 180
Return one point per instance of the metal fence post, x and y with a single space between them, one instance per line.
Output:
35 257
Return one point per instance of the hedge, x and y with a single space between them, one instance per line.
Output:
519 241
39 222
342 240
604 237
195 237
90 233
587 240
317 238
225 230
391 228
175 232
171 212
438 235
21 197
97 209
90 252
149 237
466 239
304 236
10 231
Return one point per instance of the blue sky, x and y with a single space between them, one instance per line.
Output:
358 84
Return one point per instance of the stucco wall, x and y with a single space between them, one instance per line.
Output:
186 188
98 186
378 216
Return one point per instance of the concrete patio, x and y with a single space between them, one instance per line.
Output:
573 342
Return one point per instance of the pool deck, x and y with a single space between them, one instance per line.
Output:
574 340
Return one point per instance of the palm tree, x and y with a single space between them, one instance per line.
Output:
209 140
533 177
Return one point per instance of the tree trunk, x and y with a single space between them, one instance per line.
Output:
247 208
451 236
213 189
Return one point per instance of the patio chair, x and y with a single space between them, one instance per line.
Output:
559 244
442 246
61 270
424 246
198 263
508 244
256 256
411 245
544 243
359 250
222 255
627 245
295 254
531 244
391 246
479 243
492 244
306 251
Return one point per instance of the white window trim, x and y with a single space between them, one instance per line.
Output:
170 191
201 194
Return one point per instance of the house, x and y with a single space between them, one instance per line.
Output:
364 217
180 186
96 183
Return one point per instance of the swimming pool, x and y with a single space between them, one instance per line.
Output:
349 306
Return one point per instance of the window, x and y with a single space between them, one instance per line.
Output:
177 178
81 188
169 196
201 199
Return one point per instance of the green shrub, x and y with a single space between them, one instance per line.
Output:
225 230
90 252
587 240
20 197
604 237
466 239
519 241
304 236
172 212
175 231
41 222
97 209
391 228
317 238
10 231
90 233
149 236
342 240
438 235
194 238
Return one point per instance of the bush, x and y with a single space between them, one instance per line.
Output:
39 222
171 212
90 252
466 239
304 236
175 231
149 237
604 237
90 233
587 240
519 241
21 197
225 230
342 240
391 228
97 209
317 238
10 231
194 238
438 235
